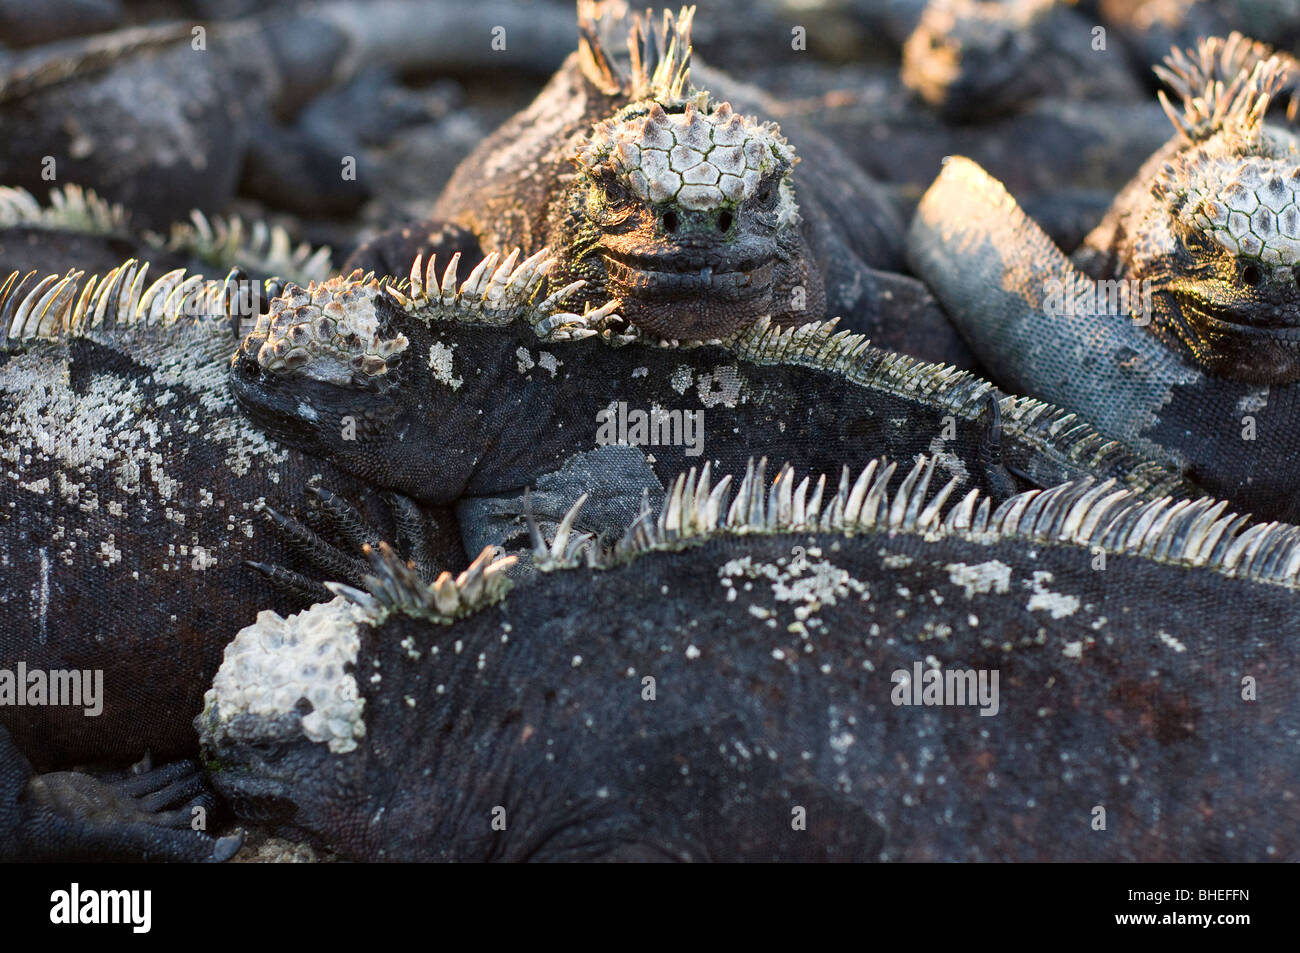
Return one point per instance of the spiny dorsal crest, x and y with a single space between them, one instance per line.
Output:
333 331
701 158
232 243
71 207
1225 84
658 64
1194 532
395 586
54 307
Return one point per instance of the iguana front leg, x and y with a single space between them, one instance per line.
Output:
71 815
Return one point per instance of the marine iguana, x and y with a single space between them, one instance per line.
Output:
740 683
674 200
475 410
132 489
1188 344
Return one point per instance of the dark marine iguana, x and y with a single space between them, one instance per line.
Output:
756 679
476 410
1188 343
675 201
130 495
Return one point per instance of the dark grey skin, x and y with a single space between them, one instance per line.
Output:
679 273
141 815
1207 375
1120 691
131 497
506 424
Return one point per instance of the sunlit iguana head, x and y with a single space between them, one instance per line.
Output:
682 209
1220 243
974 58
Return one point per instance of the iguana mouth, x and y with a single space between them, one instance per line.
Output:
669 277
1252 322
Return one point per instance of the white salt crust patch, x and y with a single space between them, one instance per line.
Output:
273 663
441 363
992 576
1058 604
111 431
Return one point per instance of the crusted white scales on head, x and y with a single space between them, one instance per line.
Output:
271 666
1247 205
329 331
701 158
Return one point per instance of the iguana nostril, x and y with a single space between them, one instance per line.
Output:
670 221
724 222
1250 275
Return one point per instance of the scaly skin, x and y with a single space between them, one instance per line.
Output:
130 498
463 410
676 201
1202 361
717 681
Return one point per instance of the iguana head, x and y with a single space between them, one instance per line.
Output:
1219 239
974 58
399 383
681 209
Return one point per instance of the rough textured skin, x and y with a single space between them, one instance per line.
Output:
472 410
1200 360
129 494
692 242
524 730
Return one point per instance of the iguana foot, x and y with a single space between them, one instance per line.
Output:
336 563
142 814
1001 479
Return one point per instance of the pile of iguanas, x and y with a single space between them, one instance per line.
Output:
746 584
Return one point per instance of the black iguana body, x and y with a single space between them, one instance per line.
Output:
1189 342
465 411
725 688
678 203
131 490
